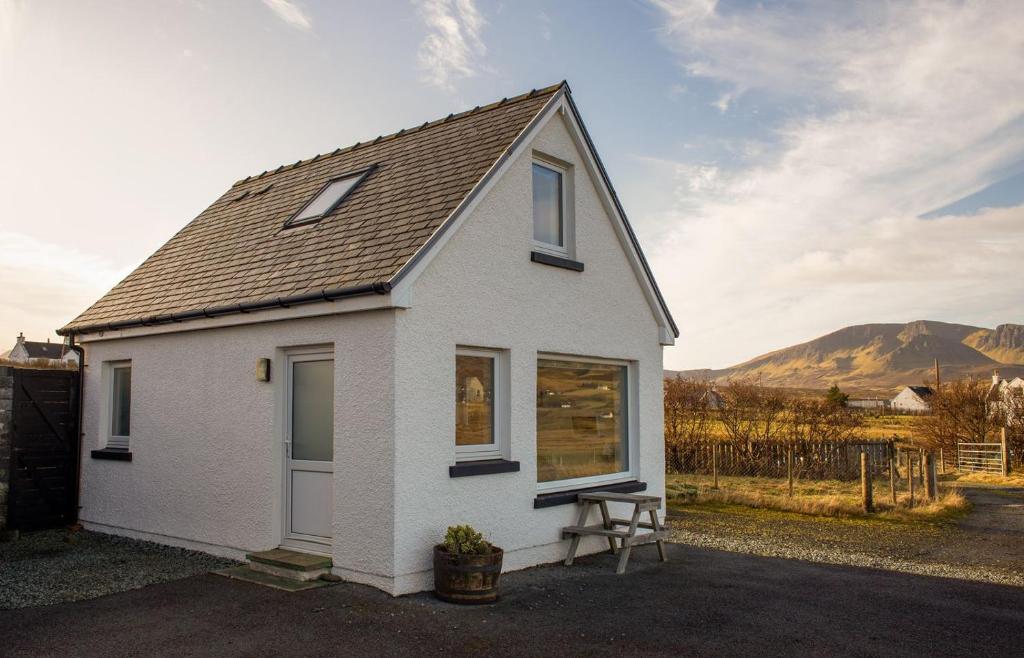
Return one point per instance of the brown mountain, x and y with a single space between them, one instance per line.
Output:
882 357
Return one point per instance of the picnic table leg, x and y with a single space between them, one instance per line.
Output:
627 544
574 544
607 520
657 528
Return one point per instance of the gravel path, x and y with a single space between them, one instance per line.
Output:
986 546
43 568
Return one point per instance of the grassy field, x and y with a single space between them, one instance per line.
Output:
820 498
875 428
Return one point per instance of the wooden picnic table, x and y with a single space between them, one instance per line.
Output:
609 526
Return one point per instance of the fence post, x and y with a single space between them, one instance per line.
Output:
942 462
892 473
1004 453
789 467
931 481
910 478
714 465
865 482
920 467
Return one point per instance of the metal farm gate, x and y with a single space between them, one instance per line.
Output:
980 457
43 489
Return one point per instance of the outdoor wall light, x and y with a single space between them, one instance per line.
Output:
263 370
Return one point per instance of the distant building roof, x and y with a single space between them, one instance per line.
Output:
47 350
922 391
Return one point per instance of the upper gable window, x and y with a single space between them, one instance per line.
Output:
328 198
552 207
548 218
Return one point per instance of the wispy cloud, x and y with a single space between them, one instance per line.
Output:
11 16
454 45
291 13
544 22
821 227
43 282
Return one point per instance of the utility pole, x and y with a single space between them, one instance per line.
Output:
938 380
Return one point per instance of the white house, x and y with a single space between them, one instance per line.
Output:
913 399
25 351
1002 393
288 369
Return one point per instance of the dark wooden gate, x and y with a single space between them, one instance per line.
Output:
44 450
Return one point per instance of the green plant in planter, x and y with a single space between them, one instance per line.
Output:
464 540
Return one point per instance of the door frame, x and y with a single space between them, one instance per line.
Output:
295 541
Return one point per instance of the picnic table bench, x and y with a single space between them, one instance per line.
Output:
610 527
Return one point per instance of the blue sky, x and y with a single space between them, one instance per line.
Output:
790 167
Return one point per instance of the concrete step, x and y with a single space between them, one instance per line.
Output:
268 580
293 565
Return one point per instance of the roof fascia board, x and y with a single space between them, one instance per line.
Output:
559 104
630 242
320 309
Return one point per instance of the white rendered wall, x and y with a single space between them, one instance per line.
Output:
206 439
482 290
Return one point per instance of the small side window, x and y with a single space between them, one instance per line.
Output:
553 228
480 404
120 405
548 215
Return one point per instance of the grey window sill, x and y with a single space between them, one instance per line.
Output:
114 454
482 467
556 261
569 497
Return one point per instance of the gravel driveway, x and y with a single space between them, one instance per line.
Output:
42 568
987 545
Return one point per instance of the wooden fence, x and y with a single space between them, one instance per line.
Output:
812 460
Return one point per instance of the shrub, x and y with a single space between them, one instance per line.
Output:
464 540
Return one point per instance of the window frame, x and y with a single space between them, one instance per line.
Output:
565 170
117 441
632 426
360 175
501 409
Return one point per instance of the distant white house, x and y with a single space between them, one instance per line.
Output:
25 351
714 399
1001 389
913 399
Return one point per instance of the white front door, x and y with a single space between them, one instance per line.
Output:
309 451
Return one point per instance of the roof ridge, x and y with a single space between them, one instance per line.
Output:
455 116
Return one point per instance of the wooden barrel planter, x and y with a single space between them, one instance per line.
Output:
467 578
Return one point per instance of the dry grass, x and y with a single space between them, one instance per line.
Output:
818 498
38 364
1012 480
875 428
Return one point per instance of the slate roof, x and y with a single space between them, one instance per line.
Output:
37 350
236 255
922 391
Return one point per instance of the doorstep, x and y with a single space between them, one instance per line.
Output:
293 565
269 580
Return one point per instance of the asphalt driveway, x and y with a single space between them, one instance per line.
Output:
700 602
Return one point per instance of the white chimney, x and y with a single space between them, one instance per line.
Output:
995 378
21 338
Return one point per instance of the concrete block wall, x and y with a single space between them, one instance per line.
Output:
6 412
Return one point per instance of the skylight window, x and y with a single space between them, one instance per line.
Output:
328 198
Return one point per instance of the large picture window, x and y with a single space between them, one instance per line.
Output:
479 404
582 420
